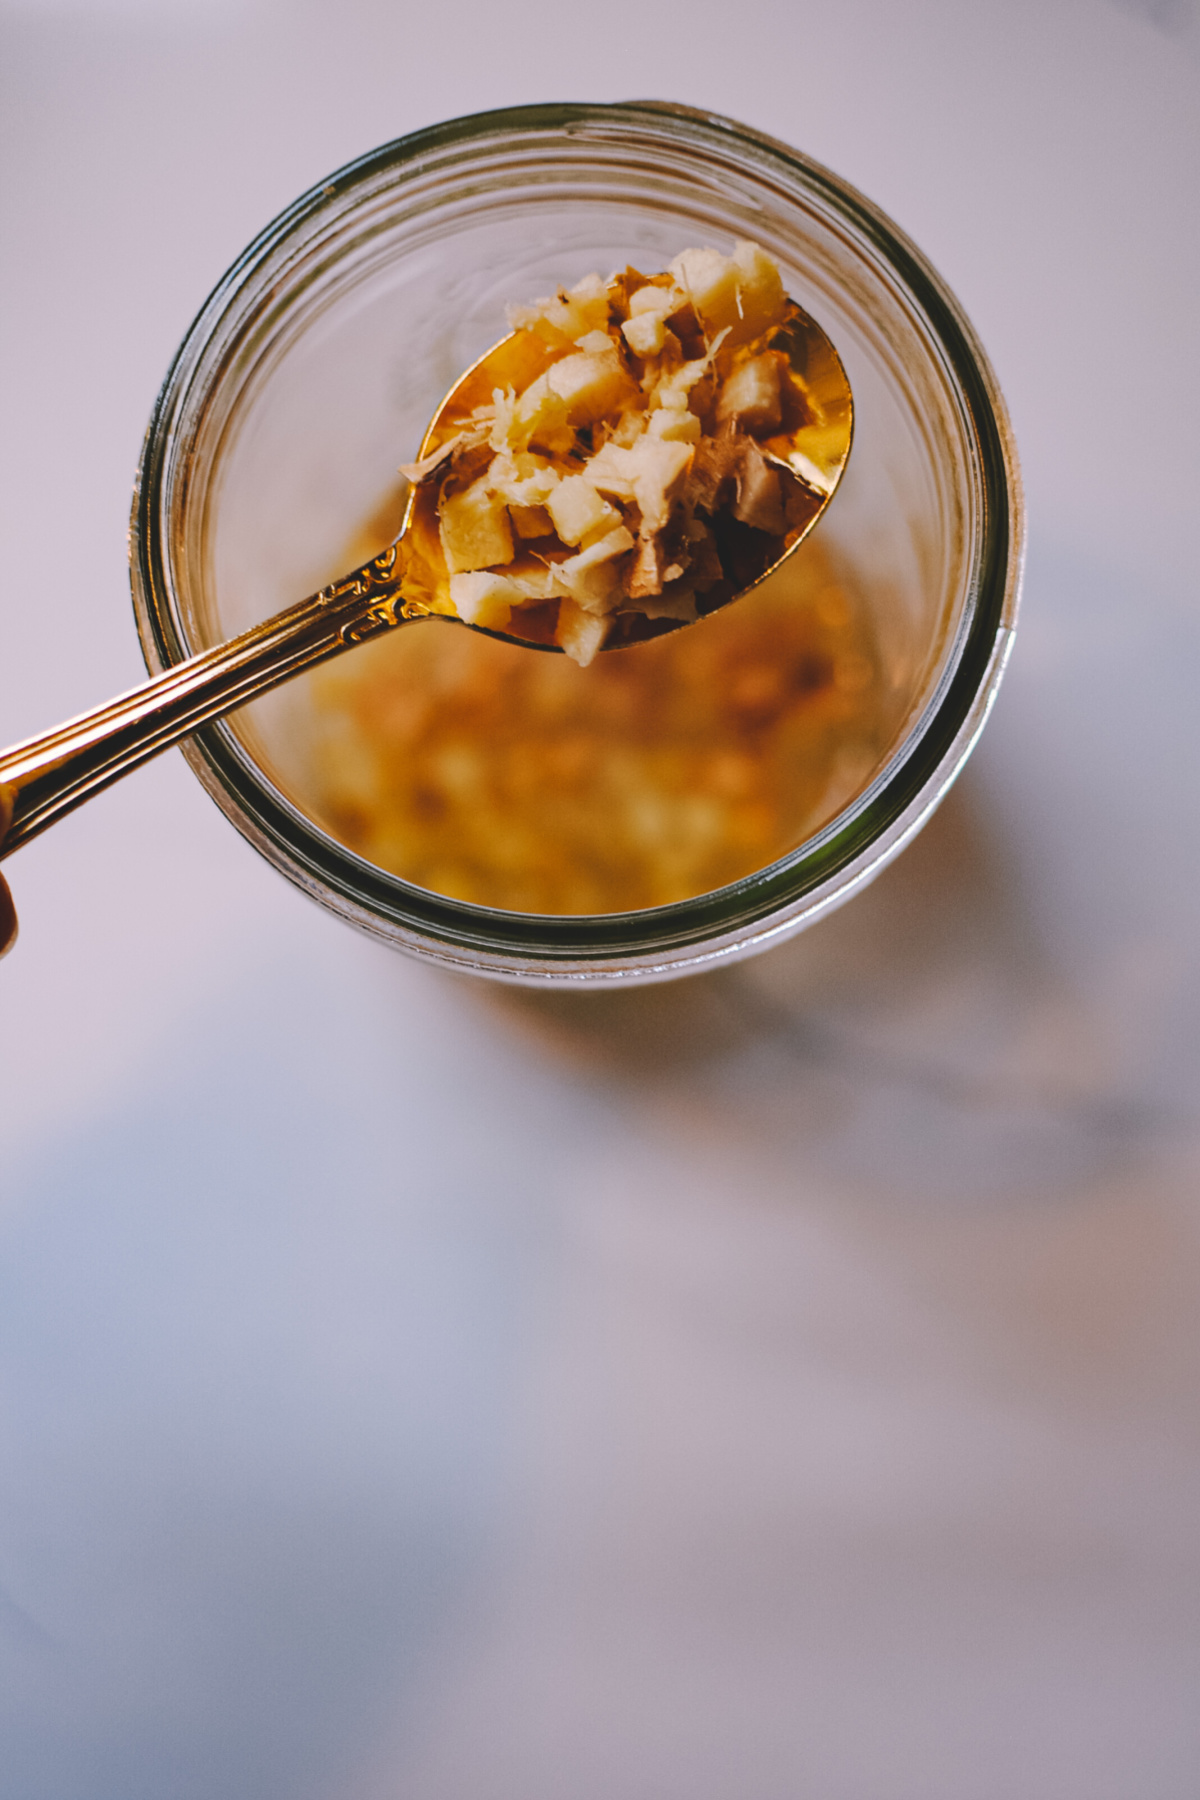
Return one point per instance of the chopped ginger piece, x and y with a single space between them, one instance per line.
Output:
676 424
576 391
662 301
577 511
475 529
581 633
482 598
592 578
610 470
660 466
742 294
531 521
645 333
751 396
759 492
565 318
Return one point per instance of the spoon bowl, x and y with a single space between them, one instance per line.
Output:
814 452
49 775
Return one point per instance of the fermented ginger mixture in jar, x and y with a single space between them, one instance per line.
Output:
514 779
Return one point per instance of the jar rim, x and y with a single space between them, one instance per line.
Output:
684 935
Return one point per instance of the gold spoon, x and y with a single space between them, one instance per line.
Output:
47 776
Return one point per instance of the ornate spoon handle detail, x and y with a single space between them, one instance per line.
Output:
57 771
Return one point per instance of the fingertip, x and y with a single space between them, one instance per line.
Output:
8 919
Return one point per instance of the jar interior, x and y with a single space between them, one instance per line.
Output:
342 359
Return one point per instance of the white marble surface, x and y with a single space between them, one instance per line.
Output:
781 1385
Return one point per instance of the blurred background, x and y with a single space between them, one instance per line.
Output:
779 1384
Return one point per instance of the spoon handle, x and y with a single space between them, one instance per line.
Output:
53 773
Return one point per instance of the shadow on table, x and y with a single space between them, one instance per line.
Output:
921 1039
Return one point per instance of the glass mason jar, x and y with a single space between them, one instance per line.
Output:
317 361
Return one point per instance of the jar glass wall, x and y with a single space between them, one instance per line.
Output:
318 360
